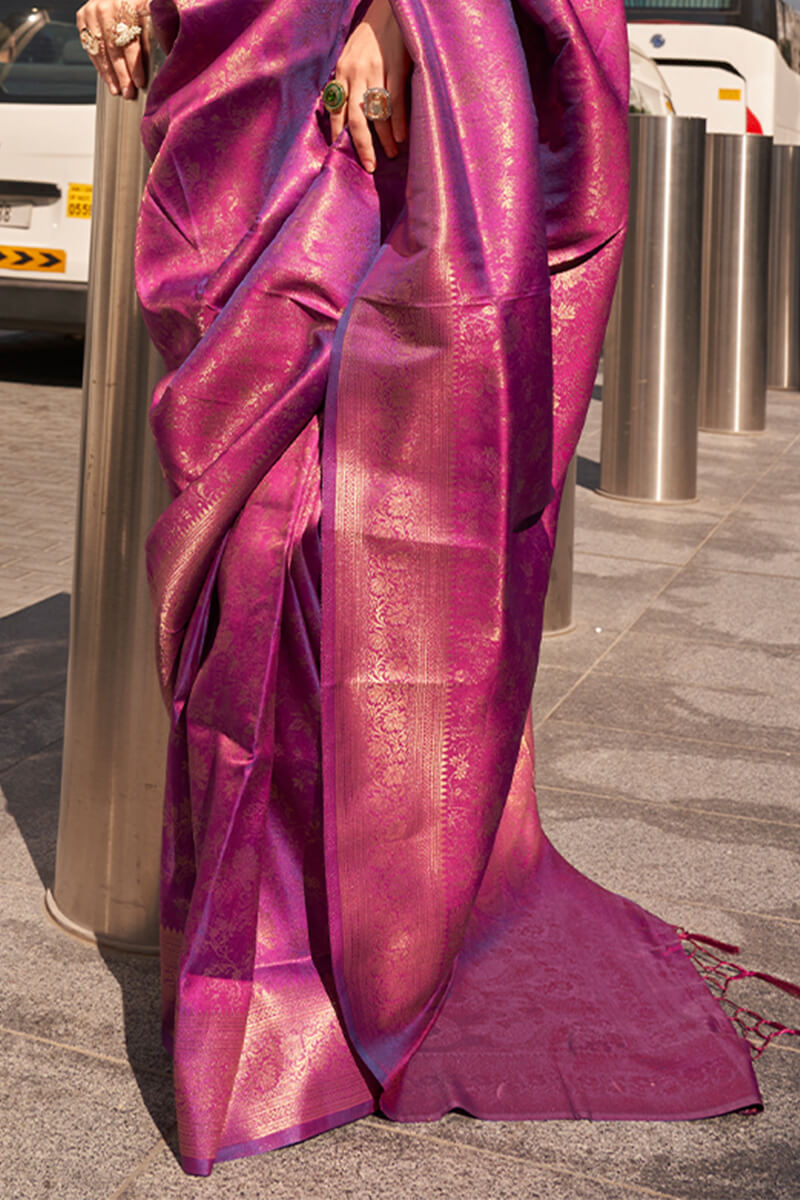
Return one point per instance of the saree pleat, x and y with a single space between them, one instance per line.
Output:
374 389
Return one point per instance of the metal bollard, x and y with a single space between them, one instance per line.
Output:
651 359
107 860
783 326
733 374
558 602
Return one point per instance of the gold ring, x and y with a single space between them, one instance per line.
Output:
91 43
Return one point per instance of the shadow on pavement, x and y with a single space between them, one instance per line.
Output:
33 675
139 983
588 474
33 670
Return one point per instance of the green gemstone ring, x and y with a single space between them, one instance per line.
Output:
334 97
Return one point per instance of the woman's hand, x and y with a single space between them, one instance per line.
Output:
373 56
123 68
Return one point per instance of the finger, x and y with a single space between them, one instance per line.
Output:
104 68
133 52
119 67
123 27
386 138
338 119
89 19
397 92
98 20
358 125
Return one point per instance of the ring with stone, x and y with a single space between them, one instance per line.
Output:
126 27
377 104
124 33
91 43
334 96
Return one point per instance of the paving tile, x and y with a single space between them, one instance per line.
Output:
587 470
649 532
29 801
633 847
761 682
65 990
780 432
717 606
778 490
19 866
722 714
782 404
579 649
31 544
730 467
750 447
46 579
552 685
753 669
31 726
15 597
792 451
80 1124
589 448
11 569
723 481
753 1157
639 765
40 624
373 1159
33 650
755 544
610 593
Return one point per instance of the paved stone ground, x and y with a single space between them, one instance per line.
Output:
669 768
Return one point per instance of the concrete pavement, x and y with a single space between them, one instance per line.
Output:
669 769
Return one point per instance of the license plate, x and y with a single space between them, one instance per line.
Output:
79 200
15 216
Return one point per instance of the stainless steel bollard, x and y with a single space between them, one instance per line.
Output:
107 861
783 325
651 360
558 603
733 375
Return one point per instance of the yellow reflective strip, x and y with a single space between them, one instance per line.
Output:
730 93
32 258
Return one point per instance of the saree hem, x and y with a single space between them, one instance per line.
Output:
276 1141
751 1104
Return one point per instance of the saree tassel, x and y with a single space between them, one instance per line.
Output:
727 947
718 974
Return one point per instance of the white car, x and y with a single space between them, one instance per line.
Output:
650 91
48 88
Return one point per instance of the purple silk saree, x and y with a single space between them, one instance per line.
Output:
374 388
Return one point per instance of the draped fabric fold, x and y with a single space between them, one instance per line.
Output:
374 388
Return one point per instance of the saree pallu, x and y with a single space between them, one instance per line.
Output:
374 387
